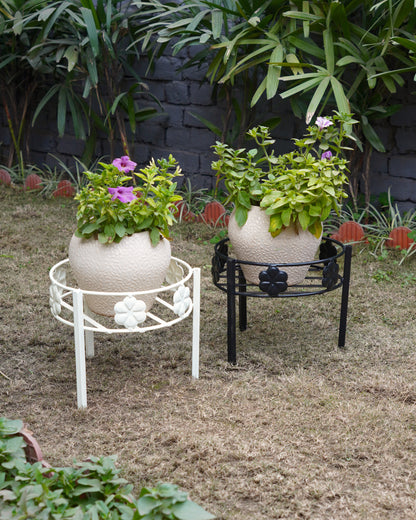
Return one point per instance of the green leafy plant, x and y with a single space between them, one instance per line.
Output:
343 55
88 47
88 490
109 209
300 187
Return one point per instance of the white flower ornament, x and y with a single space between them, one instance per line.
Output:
181 300
55 292
130 312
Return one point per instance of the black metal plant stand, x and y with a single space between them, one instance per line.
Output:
323 276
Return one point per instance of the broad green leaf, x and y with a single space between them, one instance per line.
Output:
303 86
217 21
329 50
240 215
190 511
244 199
347 60
304 219
71 54
317 98
92 30
372 137
343 104
273 71
286 216
307 46
275 224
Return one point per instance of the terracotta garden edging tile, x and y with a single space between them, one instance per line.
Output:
64 189
33 182
398 238
5 177
350 232
214 214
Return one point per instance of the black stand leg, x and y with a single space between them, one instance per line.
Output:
231 315
242 300
345 294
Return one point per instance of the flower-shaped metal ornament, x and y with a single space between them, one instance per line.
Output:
55 292
330 274
174 273
181 300
273 281
130 312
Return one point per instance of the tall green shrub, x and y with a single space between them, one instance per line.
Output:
318 54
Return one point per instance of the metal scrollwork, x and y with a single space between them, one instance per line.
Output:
273 281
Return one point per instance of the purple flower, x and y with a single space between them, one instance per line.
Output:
323 122
122 193
326 155
124 164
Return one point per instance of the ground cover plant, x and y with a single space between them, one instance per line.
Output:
297 429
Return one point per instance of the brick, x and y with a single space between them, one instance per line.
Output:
71 145
178 93
405 140
403 166
201 94
406 116
166 69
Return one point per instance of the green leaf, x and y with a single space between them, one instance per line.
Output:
244 199
120 229
217 21
340 97
155 236
273 71
317 97
91 30
304 86
190 511
372 137
241 215
329 50
304 219
286 216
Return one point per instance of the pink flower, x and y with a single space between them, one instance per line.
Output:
323 122
124 164
326 155
122 193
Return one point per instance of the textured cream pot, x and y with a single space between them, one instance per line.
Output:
131 265
253 243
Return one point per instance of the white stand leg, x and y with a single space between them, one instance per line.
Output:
80 349
196 322
89 335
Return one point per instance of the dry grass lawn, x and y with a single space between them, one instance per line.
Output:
298 429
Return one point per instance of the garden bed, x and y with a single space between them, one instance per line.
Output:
298 429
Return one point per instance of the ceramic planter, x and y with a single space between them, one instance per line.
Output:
253 243
131 265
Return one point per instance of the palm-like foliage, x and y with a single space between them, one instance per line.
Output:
95 78
19 80
318 54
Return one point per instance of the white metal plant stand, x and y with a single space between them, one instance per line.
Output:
68 306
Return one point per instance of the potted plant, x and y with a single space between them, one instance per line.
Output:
121 241
280 201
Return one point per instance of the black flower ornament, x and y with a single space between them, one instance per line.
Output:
216 269
273 281
218 261
330 274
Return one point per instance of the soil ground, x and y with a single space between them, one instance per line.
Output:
298 429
